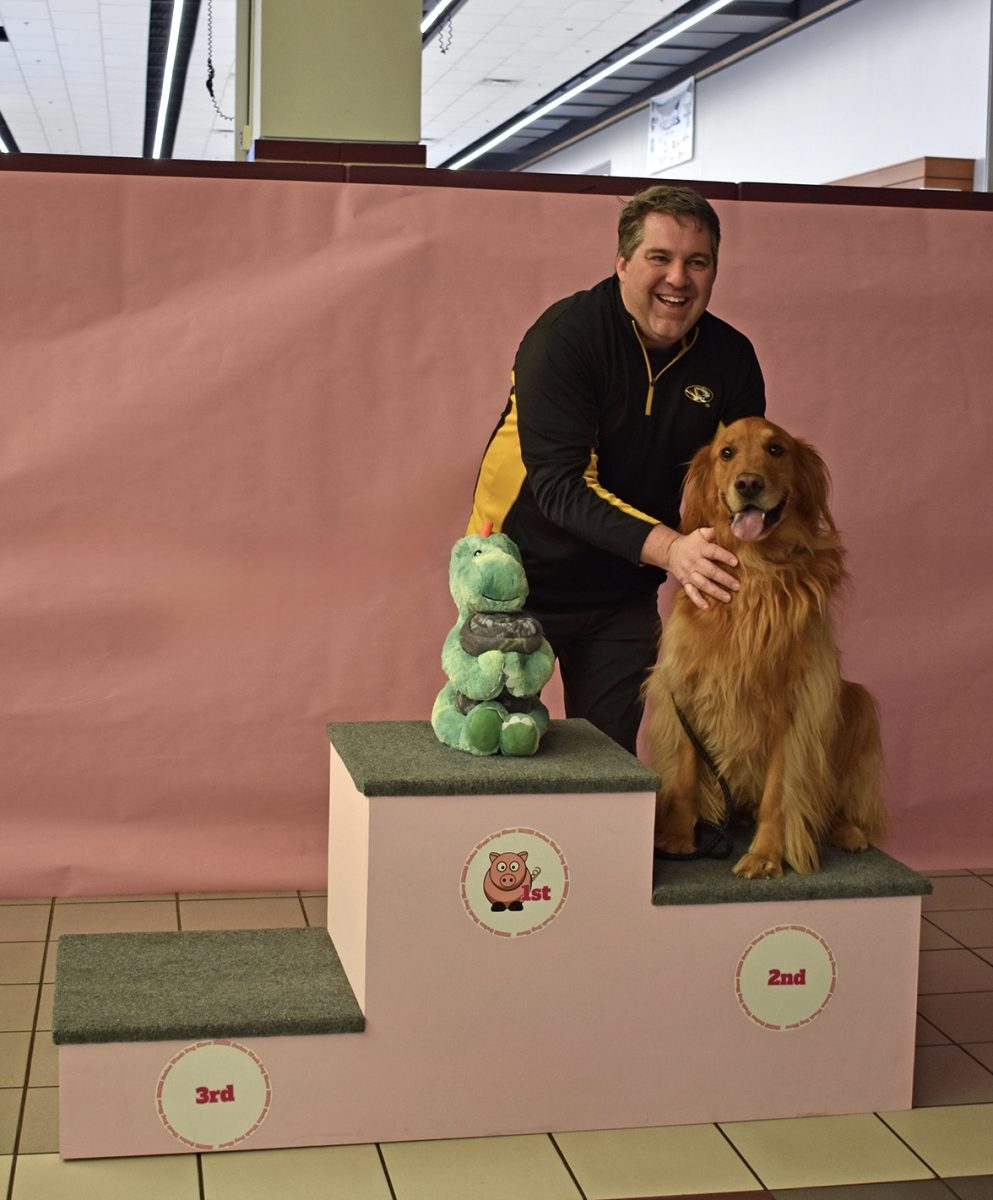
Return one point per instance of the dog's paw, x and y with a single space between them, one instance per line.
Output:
848 837
670 843
757 866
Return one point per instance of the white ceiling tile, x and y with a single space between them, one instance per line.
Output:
127 14
72 20
21 10
97 49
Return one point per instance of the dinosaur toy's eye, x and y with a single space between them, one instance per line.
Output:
476 553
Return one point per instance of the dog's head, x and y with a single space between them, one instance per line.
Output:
758 482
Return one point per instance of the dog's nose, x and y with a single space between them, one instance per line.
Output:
748 485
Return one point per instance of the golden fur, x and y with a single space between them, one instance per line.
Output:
758 678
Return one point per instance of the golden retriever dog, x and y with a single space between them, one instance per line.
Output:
758 678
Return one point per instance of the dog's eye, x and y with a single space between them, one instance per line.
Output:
727 453
775 449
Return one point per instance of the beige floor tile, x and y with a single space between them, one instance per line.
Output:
40 1128
824 1151
20 962
13 1059
44 1062
954 1140
317 911
480 1168
27 900
315 892
316 1173
971 928
17 1005
24 922
676 1161
238 895
44 1020
953 971
964 1016
47 1177
958 893
933 938
242 914
126 916
948 1075
10 1107
927 1035
50 957
112 899
6 1162
982 1052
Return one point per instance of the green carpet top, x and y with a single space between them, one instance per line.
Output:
842 876
131 987
404 758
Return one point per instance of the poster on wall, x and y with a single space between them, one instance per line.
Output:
670 128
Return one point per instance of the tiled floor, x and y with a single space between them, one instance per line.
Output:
939 1150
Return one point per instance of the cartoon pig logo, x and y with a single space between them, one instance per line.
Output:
507 884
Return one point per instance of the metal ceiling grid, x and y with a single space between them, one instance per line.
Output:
73 73
726 34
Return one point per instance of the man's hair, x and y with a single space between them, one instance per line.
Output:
682 203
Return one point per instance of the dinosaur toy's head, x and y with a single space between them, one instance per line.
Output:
486 574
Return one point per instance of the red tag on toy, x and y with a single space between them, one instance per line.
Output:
487 529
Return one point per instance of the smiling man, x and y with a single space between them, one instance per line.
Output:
614 390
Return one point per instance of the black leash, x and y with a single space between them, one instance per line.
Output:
721 830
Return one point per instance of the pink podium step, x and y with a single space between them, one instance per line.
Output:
522 966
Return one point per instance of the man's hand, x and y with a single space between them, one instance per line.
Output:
693 558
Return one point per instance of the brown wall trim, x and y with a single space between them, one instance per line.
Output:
86 164
797 193
296 150
953 173
602 185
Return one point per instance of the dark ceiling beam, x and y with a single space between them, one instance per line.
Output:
159 25
429 6
789 20
7 137
578 129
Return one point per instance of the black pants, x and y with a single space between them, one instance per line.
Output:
604 655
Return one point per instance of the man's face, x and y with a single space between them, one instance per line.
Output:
667 281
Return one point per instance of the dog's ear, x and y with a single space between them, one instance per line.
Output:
698 492
813 487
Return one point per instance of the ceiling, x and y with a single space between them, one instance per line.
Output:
74 73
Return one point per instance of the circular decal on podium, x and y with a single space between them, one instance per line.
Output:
515 882
213 1095
786 977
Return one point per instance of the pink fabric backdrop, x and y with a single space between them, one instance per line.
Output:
241 420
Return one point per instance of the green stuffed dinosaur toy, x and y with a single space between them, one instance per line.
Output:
495 656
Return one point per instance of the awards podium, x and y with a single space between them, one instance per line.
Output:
503 955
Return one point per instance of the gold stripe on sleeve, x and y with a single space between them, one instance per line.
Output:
591 479
501 475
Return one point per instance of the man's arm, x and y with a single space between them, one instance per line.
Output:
558 418
694 560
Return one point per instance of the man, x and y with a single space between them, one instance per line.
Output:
614 390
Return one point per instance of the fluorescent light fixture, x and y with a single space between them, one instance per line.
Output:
435 13
545 109
170 64
4 148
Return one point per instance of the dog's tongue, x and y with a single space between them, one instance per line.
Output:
748 524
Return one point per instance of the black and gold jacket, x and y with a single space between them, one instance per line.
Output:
591 449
